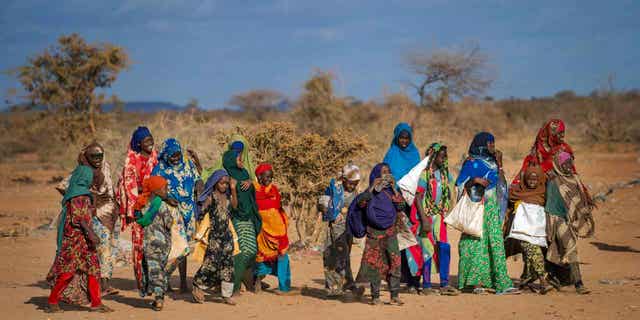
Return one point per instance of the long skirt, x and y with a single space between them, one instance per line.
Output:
217 265
245 260
381 260
482 260
106 248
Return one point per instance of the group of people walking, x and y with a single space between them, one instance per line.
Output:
230 218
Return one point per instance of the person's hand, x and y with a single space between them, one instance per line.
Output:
244 186
321 208
172 202
429 152
193 155
484 182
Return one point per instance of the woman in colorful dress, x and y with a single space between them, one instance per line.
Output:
217 265
156 213
140 161
245 218
76 255
183 182
569 210
483 264
433 202
103 222
525 227
377 220
272 240
336 257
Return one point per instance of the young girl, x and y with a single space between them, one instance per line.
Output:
217 266
156 214
527 223
273 241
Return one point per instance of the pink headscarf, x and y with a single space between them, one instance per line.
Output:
563 157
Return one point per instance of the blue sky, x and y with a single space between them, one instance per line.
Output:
210 50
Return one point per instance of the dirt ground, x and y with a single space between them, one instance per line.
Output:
610 265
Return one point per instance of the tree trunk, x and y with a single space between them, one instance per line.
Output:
92 120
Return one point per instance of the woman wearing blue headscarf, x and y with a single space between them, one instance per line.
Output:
402 155
183 180
483 264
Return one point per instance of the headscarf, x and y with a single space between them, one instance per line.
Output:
351 172
563 157
240 144
546 146
83 160
181 177
262 168
402 160
247 209
208 190
576 199
445 193
381 212
478 147
79 184
137 137
237 145
149 185
523 193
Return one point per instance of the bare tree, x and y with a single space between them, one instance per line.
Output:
64 79
257 100
450 72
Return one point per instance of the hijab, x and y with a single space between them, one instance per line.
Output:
381 212
83 160
208 190
525 194
79 184
478 147
247 209
137 137
402 160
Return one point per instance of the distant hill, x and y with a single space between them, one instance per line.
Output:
145 106
136 106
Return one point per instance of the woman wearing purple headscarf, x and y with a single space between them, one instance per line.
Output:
377 220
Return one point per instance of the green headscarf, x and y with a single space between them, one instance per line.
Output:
247 208
445 193
247 160
79 184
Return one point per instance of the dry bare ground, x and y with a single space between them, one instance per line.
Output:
610 262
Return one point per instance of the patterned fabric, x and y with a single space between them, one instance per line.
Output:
75 255
482 260
136 168
248 250
272 240
381 258
157 245
106 248
181 180
577 201
217 266
563 243
533 262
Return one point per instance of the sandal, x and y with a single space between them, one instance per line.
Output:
480 291
54 308
109 291
158 304
197 294
582 290
375 302
509 291
101 309
430 292
545 289
449 291
395 301
358 292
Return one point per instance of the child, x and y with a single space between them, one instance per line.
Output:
217 265
272 239
527 225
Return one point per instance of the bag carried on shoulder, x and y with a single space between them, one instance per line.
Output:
467 216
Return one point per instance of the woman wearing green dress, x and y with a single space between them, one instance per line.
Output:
245 218
482 263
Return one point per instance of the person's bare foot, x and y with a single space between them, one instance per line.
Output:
102 309
54 308
396 301
229 301
158 304
197 294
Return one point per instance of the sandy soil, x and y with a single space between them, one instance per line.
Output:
610 266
